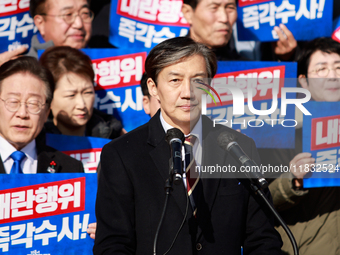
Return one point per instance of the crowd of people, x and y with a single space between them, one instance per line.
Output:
55 94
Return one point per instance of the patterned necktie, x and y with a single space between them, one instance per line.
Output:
17 157
194 183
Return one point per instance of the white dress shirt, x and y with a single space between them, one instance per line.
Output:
197 149
28 164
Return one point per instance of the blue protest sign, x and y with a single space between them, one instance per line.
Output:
321 138
143 24
269 130
83 148
46 213
16 25
306 19
117 76
336 29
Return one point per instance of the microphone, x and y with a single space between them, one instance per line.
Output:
227 141
175 139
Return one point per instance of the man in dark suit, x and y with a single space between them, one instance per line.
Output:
26 90
212 216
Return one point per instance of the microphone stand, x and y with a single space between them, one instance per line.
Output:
175 138
259 191
168 188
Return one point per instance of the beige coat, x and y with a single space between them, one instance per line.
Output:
312 215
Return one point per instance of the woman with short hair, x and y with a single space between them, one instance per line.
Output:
72 111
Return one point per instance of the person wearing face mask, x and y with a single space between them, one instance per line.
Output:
72 111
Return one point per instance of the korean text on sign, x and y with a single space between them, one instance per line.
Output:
156 11
261 80
300 16
145 23
89 157
25 234
146 33
10 7
42 199
325 139
16 25
255 15
119 71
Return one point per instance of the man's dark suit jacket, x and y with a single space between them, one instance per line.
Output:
131 195
46 154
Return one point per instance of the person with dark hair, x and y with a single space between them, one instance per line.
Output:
150 104
60 23
311 214
72 111
205 216
315 63
211 23
26 91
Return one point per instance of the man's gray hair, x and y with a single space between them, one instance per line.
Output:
30 65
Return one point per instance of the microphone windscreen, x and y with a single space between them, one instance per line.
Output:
225 138
174 133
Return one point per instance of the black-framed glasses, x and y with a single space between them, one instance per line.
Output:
32 106
323 71
86 16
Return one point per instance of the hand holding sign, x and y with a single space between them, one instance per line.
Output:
8 55
300 165
307 19
285 47
91 230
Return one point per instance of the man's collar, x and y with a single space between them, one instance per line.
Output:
40 38
196 131
165 125
6 149
30 151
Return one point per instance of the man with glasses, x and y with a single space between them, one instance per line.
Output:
321 70
312 214
26 91
60 23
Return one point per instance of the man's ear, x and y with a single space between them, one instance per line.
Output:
188 13
152 88
146 104
303 81
40 24
47 113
